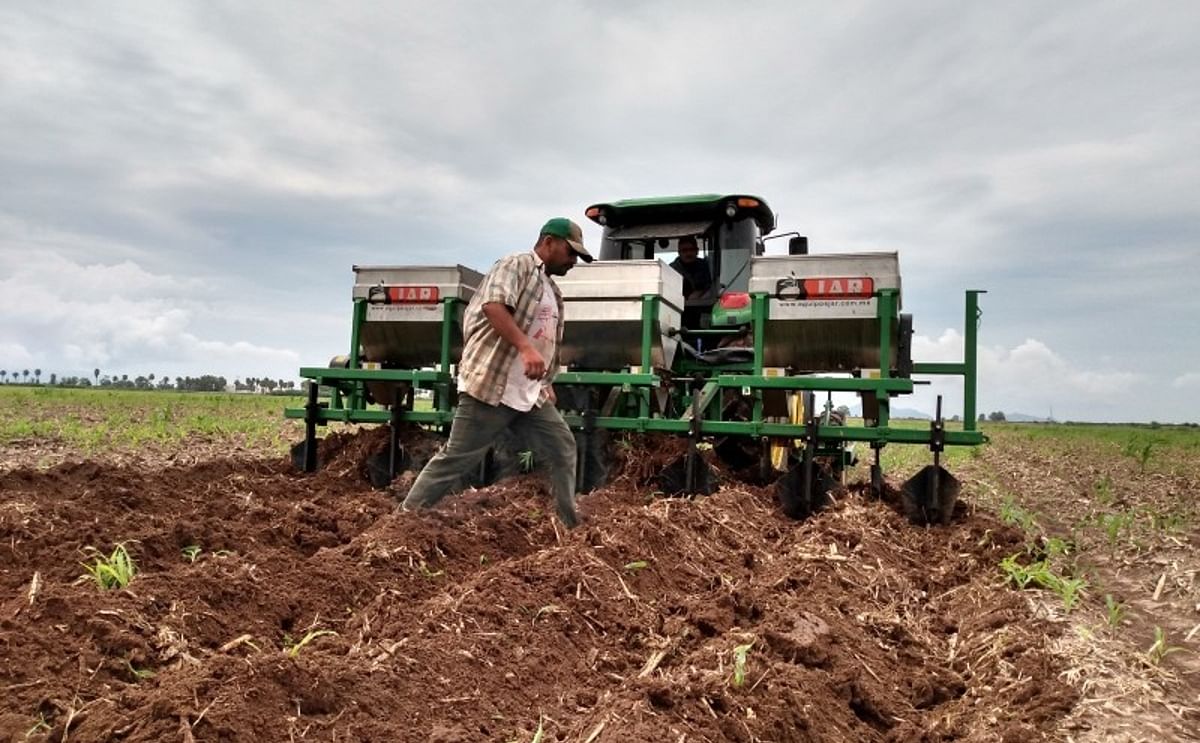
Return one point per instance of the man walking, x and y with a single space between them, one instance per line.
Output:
512 331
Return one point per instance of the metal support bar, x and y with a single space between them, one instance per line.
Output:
758 316
971 356
326 375
312 415
649 326
876 471
694 433
811 435
705 395
360 316
394 440
939 368
886 314
830 384
448 306
937 442
937 432
582 470
609 378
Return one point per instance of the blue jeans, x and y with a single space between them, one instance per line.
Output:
476 427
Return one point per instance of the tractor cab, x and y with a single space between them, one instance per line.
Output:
725 230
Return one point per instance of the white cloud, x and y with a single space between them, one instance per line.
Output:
72 317
13 355
194 177
1029 378
1185 381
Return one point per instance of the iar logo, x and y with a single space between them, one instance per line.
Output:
402 294
826 287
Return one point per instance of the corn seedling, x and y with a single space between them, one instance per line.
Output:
1167 521
39 726
1104 491
1039 574
1144 456
1140 452
430 574
294 647
1014 515
636 565
1161 648
1019 575
1115 609
1057 546
740 654
1070 590
537 734
191 552
113 571
525 460
1113 524
139 674
548 609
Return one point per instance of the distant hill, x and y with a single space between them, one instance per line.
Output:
1026 418
856 412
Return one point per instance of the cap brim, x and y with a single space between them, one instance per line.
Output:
580 250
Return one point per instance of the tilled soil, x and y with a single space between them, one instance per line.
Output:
1131 534
313 610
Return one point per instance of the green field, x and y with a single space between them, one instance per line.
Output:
1151 448
94 420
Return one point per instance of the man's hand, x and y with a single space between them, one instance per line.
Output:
501 319
535 365
550 395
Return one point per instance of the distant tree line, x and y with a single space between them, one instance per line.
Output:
202 383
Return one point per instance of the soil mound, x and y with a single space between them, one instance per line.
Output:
273 606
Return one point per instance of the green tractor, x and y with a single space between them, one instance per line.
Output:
685 325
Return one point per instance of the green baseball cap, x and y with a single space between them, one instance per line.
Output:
569 231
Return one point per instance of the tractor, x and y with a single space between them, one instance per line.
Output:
732 343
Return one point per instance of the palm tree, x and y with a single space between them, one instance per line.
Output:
3 375
53 379
96 374
37 376
25 374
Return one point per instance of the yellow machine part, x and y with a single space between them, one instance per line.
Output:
779 451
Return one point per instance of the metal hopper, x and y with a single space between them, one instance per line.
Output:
604 309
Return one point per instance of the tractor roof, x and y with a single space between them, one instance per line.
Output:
680 209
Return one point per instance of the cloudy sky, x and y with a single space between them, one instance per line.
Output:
184 187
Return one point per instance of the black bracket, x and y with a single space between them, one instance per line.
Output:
692 474
937 431
312 412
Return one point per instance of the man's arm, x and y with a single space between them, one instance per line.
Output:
498 314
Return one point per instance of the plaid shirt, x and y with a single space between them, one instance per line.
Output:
515 282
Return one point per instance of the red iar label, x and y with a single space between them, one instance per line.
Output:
412 294
840 287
